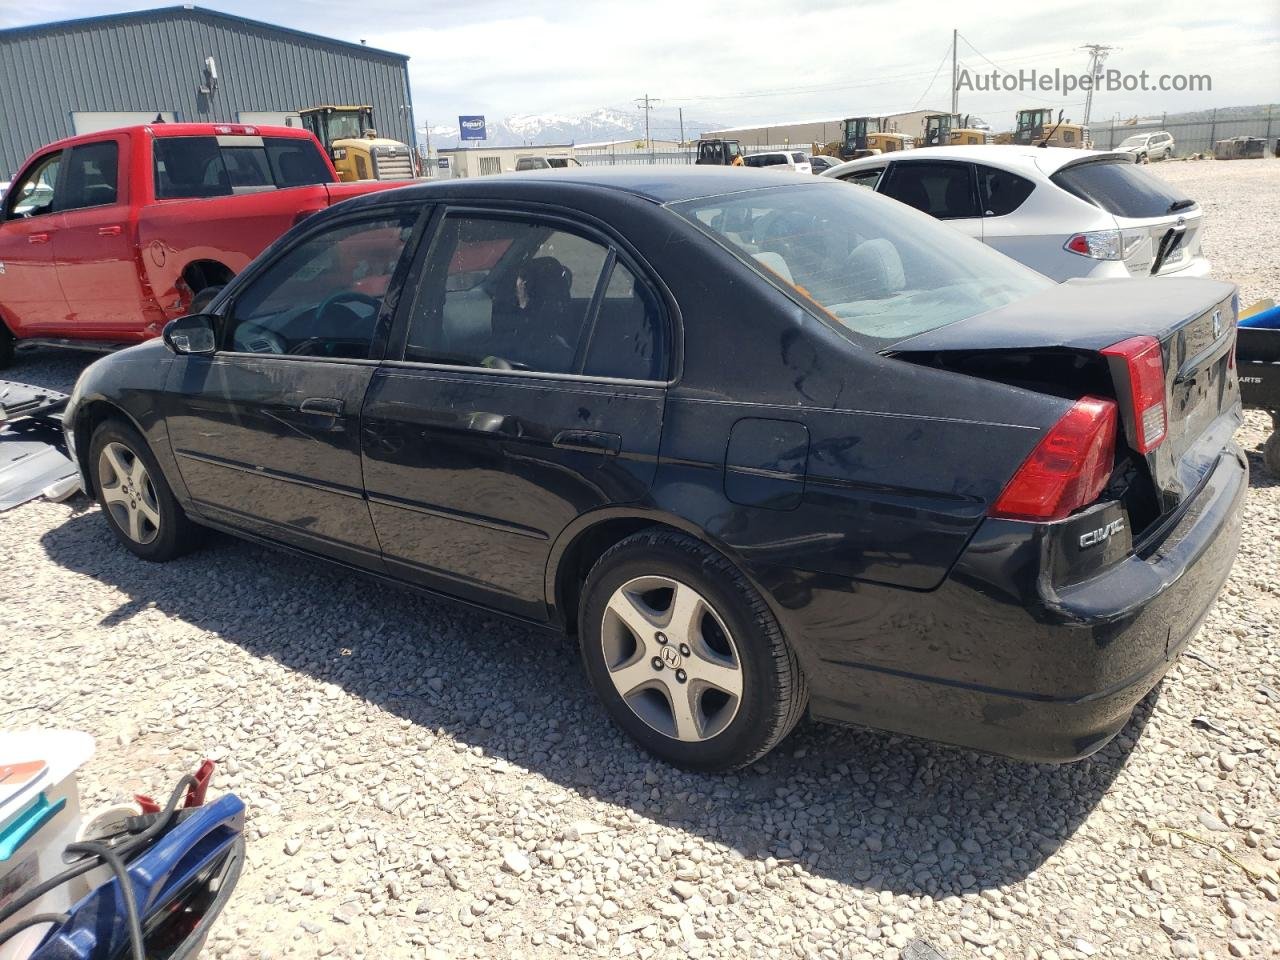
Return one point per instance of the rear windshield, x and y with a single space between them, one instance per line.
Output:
187 167
876 271
1122 188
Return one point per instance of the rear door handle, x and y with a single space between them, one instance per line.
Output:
111 231
321 406
37 238
588 441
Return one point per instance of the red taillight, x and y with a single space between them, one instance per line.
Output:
1146 388
1069 467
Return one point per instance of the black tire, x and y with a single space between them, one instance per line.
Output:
203 298
175 534
774 694
1271 453
7 344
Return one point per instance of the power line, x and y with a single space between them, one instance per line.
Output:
934 79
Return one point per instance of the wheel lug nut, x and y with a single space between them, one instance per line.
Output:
681 676
661 638
684 650
657 663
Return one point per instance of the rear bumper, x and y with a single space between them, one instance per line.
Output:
999 661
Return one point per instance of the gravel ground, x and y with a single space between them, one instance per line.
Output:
426 782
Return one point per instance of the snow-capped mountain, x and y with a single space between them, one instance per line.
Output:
598 125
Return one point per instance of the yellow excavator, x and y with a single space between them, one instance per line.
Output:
1037 126
358 153
947 129
863 137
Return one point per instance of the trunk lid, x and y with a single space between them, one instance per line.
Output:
1194 320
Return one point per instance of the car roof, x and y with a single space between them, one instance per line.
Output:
180 130
657 183
1016 157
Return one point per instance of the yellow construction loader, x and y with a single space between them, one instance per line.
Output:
947 129
863 137
357 151
1037 127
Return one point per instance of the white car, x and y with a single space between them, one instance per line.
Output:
1148 147
1066 213
796 160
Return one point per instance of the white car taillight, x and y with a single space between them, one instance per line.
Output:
1096 244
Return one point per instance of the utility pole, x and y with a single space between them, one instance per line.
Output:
1097 53
682 127
955 73
647 103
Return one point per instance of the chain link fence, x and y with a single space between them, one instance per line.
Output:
630 156
1191 137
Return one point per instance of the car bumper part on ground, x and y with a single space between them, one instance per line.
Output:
1049 675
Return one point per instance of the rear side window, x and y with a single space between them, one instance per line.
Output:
627 340
194 167
798 157
1121 188
92 176
942 190
1002 192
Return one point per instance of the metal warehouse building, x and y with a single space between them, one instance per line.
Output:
183 64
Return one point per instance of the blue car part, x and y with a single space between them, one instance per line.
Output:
179 885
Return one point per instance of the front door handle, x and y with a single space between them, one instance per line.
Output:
37 238
321 406
111 231
588 441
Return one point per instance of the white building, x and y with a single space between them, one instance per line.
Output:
802 133
482 161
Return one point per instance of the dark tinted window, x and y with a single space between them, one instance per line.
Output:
91 176
943 190
627 340
200 167
321 298
295 163
1002 192
505 294
1121 188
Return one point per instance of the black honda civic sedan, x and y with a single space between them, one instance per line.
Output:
766 445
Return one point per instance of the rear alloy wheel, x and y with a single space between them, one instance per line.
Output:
676 666
685 654
139 506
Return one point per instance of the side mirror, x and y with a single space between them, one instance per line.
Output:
191 335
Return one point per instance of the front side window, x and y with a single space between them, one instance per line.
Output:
942 190
322 297
865 178
92 176
32 196
870 269
509 294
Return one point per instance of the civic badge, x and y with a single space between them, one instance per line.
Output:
1217 324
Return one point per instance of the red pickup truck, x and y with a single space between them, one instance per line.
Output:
106 237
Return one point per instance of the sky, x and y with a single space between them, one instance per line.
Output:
755 61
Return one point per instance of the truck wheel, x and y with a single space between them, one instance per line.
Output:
686 655
1271 453
6 347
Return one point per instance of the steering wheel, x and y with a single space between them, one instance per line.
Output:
343 296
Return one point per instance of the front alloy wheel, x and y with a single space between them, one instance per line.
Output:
671 658
128 493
